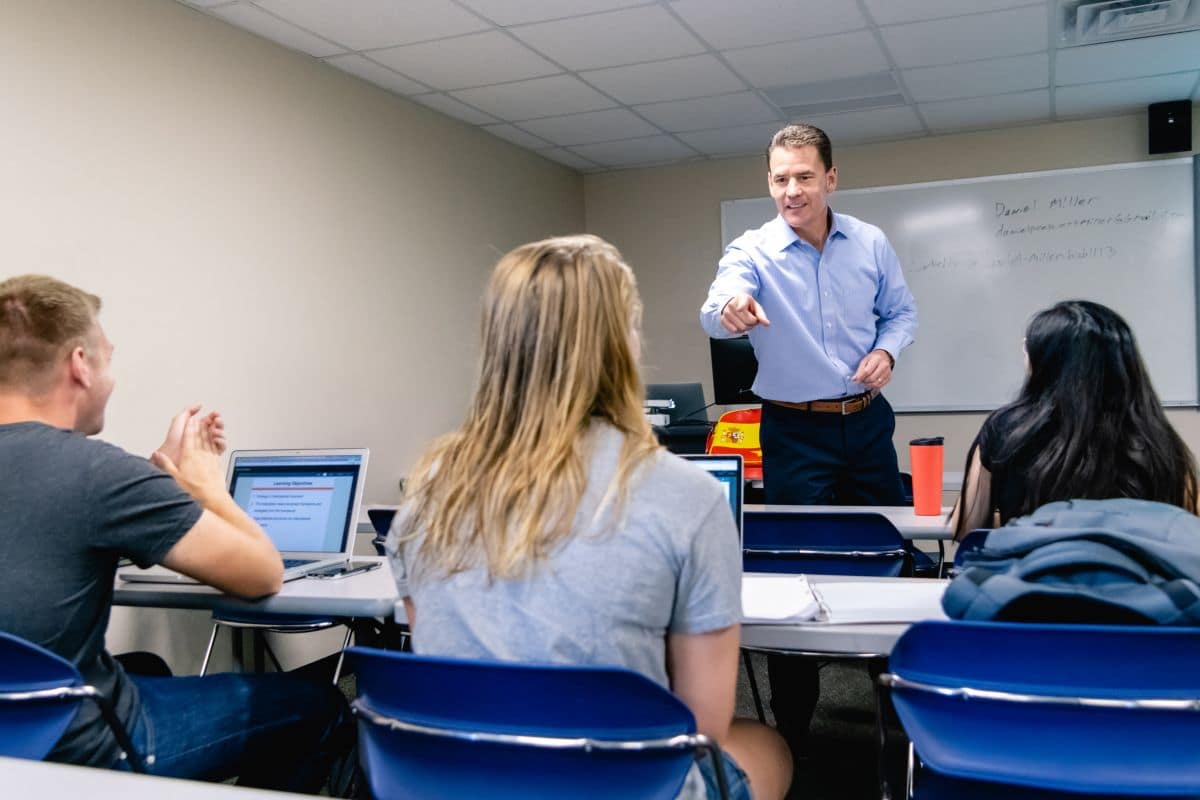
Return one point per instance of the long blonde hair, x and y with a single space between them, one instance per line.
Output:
559 319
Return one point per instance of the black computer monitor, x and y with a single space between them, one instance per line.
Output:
688 399
734 368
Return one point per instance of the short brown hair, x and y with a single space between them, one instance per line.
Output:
40 318
801 134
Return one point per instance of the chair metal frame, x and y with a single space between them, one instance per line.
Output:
677 742
279 625
72 694
683 741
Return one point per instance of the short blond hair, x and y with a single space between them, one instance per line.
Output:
40 319
801 134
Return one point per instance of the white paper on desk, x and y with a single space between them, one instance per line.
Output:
770 599
891 601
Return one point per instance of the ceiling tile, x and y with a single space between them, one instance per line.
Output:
839 56
977 78
969 38
750 22
366 24
743 139
871 125
709 112
507 12
891 12
540 97
368 70
453 108
258 21
568 158
987 112
593 126
635 151
1132 58
1116 97
512 133
676 79
472 60
609 40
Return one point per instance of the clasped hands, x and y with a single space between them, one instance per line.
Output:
191 452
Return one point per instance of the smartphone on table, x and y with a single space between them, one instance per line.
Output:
344 570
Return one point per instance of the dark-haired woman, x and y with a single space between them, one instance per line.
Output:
1087 424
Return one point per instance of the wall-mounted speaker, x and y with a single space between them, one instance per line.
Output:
1170 126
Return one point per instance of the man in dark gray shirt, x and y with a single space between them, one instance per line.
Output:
71 506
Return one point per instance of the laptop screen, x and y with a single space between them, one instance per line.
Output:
305 501
728 470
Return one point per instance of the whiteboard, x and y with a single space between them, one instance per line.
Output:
982 255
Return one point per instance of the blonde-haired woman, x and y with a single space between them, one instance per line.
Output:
551 527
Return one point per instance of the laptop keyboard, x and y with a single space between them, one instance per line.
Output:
288 563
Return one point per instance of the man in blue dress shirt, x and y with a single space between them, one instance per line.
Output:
825 304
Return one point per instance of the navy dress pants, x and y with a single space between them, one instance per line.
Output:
821 458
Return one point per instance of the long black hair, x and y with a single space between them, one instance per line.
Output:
1087 423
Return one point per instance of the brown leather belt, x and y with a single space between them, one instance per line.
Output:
842 405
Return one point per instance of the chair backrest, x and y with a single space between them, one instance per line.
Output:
974 540
1069 708
30 728
381 520
821 543
490 699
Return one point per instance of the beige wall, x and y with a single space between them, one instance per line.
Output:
271 237
666 221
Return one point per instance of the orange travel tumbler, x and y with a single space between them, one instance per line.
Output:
925 456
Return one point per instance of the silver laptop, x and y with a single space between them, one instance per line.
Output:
727 469
307 501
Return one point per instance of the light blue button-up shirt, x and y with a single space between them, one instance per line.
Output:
827 309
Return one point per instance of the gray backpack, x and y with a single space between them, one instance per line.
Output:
1109 562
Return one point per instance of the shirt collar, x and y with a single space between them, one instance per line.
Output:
782 236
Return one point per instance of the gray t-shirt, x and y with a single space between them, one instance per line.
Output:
610 593
70 506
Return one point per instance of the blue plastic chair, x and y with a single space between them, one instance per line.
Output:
448 728
974 540
823 544
1049 711
40 693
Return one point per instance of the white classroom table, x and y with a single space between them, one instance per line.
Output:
367 594
842 640
49 781
373 594
951 481
908 523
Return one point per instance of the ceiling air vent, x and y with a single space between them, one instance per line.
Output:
843 94
1092 21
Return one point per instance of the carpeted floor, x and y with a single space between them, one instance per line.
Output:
842 758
